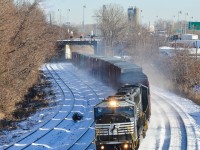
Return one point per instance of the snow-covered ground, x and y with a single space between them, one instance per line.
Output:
174 124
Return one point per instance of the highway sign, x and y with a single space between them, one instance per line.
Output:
194 26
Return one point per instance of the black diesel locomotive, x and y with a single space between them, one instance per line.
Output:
121 120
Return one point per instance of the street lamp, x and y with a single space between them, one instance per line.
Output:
83 19
60 32
59 10
173 20
186 14
140 17
179 12
156 18
191 18
68 22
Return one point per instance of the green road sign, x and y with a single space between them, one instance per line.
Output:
194 26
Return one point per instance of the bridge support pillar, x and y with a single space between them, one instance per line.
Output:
95 49
68 53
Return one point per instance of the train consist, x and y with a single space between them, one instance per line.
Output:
121 120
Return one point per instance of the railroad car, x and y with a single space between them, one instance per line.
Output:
121 120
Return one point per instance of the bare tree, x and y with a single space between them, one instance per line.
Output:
27 41
112 22
140 43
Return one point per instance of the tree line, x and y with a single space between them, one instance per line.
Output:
27 40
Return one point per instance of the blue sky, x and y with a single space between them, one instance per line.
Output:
151 9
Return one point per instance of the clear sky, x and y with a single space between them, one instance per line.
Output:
151 9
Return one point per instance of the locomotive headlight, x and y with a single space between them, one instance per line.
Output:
113 103
126 146
102 147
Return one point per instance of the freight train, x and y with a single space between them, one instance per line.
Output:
121 120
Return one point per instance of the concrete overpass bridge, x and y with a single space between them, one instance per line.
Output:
95 43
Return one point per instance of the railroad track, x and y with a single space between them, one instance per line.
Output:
72 136
165 127
187 139
178 139
176 130
83 141
159 132
22 143
80 143
31 140
91 146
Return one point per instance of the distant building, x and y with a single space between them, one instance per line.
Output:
134 15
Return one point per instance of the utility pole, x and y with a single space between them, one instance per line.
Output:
179 25
83 20
186 14
50 19
59 10
68 22
140 17
196 50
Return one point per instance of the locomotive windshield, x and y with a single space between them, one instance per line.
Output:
124 111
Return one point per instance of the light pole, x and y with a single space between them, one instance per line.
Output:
141 17
68 22
83 19
50 18
59 10
186 14
191 18
173 26
179 12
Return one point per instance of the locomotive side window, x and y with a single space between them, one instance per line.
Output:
144 97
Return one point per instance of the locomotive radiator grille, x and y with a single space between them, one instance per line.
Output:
115 129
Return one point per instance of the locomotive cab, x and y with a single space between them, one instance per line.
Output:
115 123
